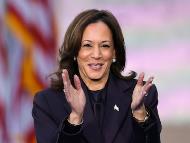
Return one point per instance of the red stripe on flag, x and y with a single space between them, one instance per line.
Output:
42 2
21 89
3 58
30 135
3 51
3 122
48 45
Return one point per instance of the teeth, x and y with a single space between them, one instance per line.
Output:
95 66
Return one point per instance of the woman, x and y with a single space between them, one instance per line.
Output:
89 100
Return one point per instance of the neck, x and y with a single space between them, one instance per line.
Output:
97 84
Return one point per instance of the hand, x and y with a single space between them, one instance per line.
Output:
75 97
139 92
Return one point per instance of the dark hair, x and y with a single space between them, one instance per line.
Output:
72 44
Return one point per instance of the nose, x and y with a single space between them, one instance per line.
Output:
96 53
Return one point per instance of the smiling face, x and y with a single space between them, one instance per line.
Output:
96 53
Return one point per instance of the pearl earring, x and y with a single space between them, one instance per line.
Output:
113 60
74 58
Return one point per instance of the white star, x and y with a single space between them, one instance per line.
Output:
116 107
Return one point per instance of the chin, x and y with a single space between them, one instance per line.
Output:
96 77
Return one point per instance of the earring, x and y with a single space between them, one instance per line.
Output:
113 60
74 58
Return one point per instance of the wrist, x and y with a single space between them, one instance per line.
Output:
140 118
140 115
75 119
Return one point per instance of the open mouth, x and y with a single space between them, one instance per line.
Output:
96 66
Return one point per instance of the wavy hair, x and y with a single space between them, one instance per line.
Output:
72 43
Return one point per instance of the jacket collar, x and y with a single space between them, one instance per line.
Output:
117 106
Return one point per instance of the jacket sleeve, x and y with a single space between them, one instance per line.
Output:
47 128
149 131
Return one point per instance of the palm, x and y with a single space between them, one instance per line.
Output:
75 96
76 99
140 91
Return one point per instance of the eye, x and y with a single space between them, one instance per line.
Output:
105 46
87 45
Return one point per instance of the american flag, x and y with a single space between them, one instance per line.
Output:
27 56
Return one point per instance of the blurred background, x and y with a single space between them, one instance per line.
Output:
157 39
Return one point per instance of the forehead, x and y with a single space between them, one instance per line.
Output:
98 30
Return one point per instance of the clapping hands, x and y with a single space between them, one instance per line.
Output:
140 91
75 97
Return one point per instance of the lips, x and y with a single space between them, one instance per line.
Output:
95 66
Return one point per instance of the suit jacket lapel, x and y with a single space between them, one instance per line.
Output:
119 97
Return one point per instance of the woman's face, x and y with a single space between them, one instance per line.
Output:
96 52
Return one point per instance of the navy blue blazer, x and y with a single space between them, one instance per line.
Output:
50 109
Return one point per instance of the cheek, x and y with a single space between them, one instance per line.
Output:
108 56
82 58
83 54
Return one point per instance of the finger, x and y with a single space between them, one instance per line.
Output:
65 83
140 79
64 78
148 84
65 72
150 79
148 87
77 82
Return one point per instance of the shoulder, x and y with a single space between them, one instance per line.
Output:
45 93
48 96
51 102
131 82
123 83
127 85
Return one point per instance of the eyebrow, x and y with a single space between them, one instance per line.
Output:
86 41
101 41
107 41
